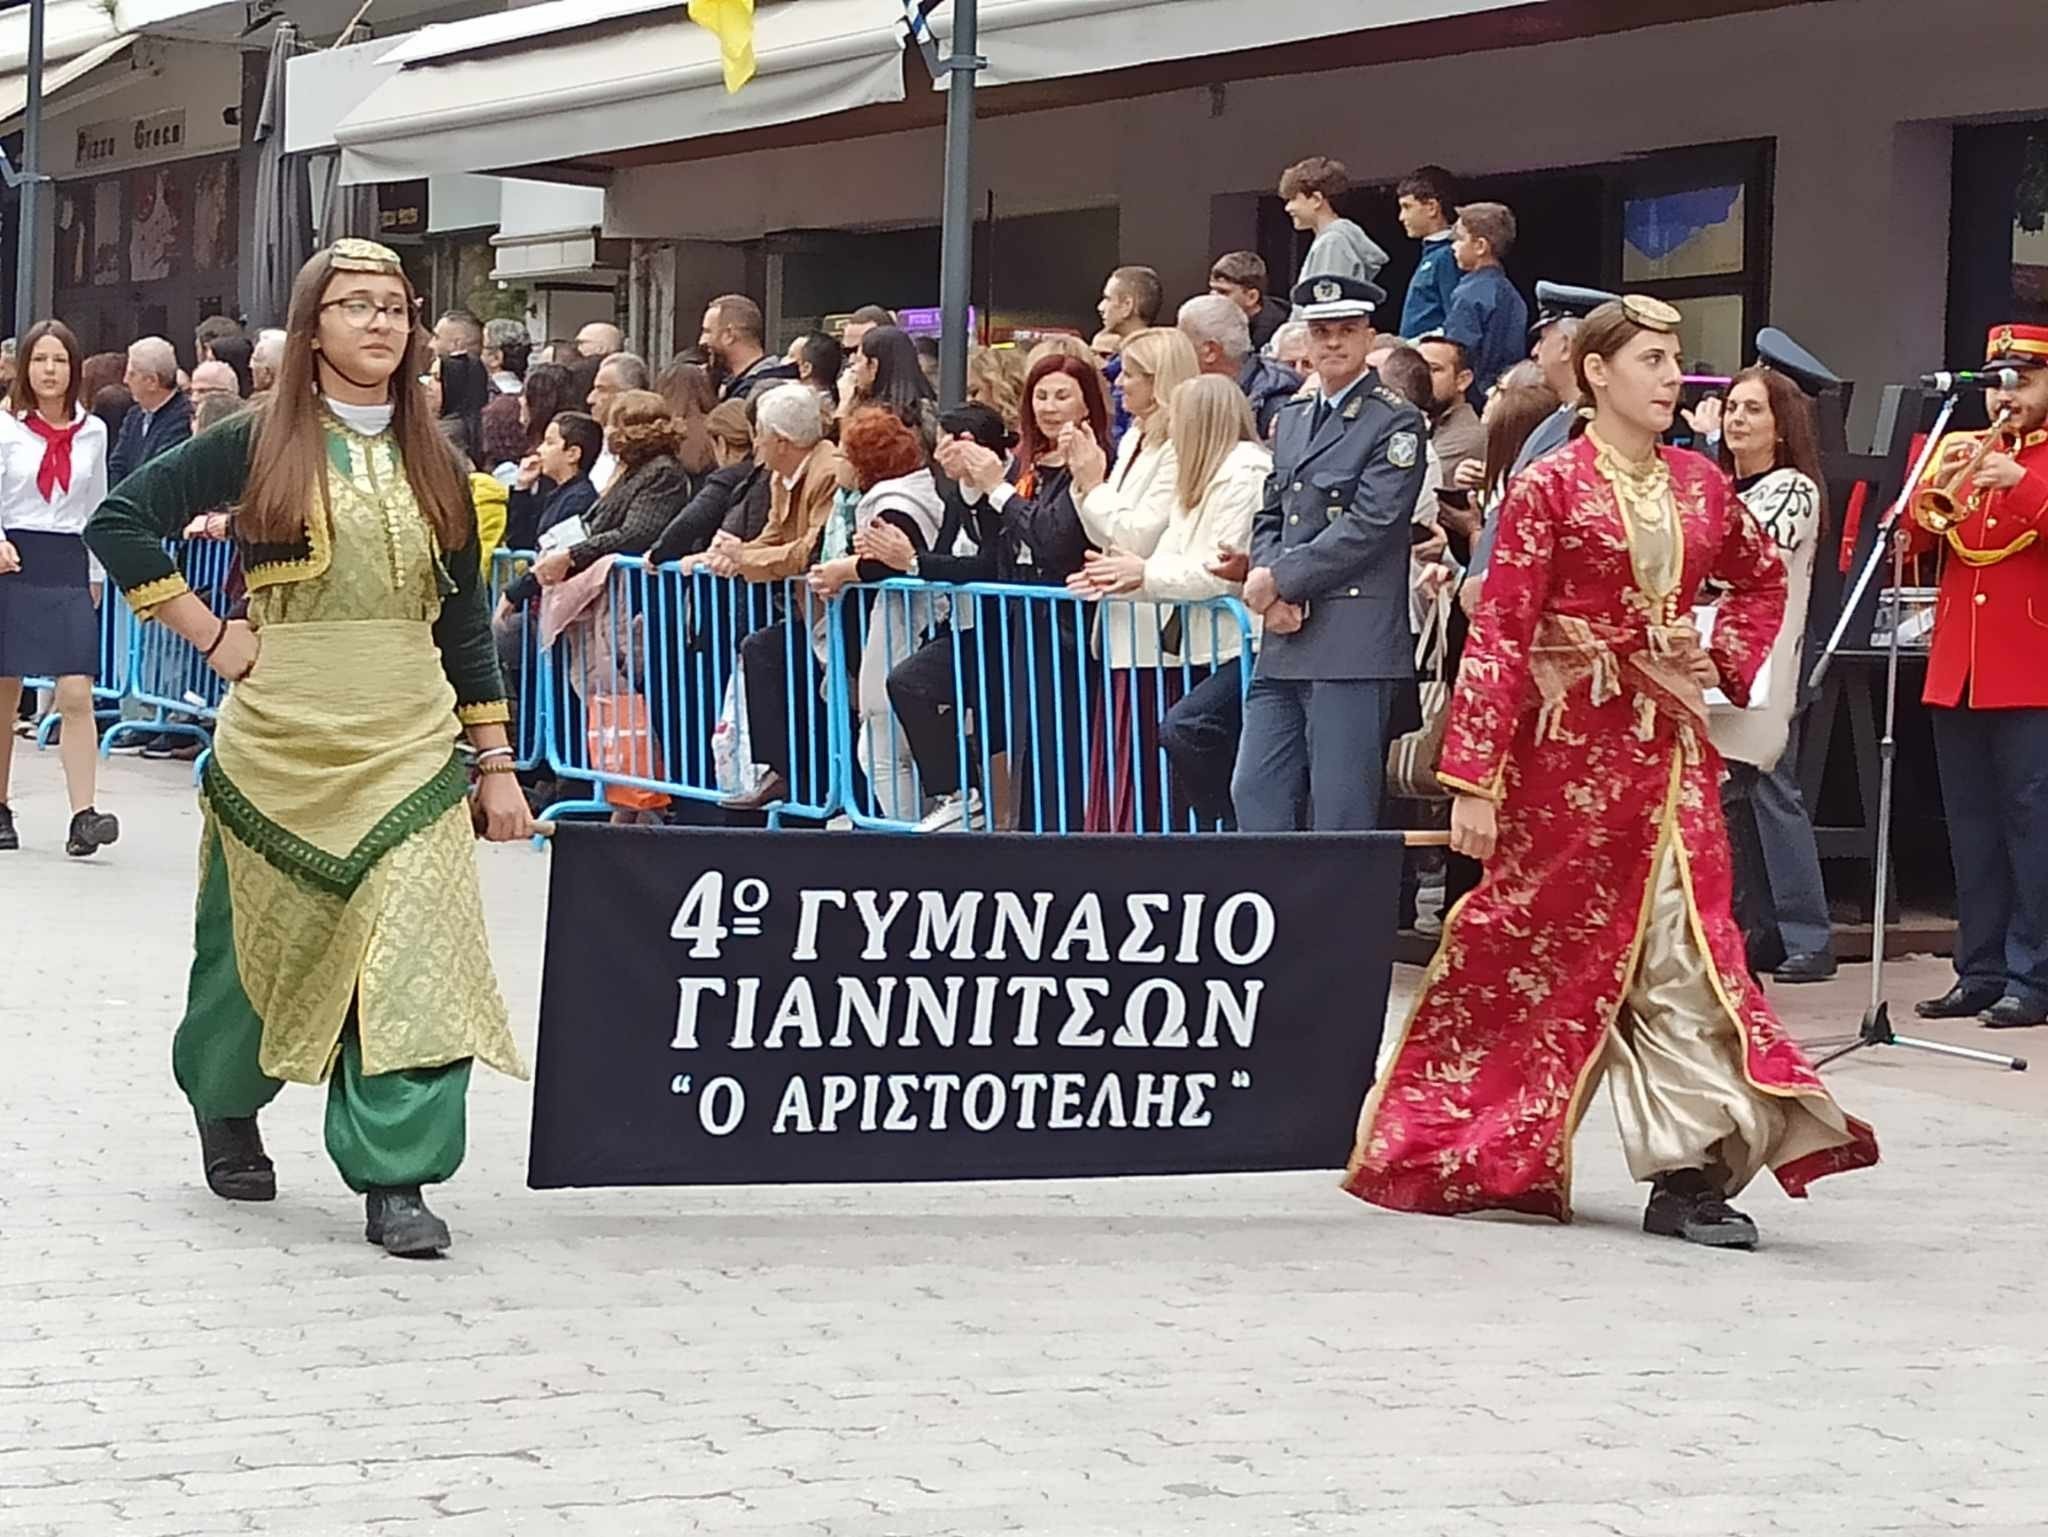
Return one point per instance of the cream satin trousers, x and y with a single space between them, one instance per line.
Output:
1674 1065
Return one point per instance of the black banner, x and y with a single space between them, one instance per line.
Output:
750 1007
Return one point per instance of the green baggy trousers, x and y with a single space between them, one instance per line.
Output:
384 1130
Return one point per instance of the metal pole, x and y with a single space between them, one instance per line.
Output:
28 233
956 229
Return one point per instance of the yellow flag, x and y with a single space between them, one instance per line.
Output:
732 23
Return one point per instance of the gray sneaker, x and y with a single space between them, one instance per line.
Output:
91 831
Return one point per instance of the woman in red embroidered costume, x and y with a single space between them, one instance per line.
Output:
1600 941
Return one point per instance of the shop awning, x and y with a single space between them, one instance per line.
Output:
1026 40
56 78
568 79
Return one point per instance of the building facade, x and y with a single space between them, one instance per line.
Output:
1783 163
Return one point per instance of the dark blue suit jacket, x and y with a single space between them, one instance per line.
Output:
143 437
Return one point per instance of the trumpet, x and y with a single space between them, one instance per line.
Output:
1941 505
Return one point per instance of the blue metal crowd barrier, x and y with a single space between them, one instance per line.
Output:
993 705
165 672
902 705
515 628
662 671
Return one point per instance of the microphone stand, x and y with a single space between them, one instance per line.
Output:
1876 1027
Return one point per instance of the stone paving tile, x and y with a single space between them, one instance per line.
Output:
1256 1355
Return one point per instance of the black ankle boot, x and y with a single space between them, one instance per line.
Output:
399 1220
237 1168
1687 1204
9 838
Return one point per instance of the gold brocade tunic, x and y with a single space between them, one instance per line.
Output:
339 801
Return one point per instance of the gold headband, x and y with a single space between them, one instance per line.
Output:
353 254
1651 314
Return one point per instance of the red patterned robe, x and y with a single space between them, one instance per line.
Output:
1477 1108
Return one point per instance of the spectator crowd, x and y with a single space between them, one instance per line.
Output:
1125 470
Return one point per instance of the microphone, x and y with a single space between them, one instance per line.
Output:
1989 378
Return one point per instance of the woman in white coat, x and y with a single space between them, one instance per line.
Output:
1204 502
1122 508
1115 501
1771 443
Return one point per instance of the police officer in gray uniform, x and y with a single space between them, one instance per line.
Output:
1330 575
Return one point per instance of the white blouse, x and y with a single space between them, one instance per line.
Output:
22 506
1787 506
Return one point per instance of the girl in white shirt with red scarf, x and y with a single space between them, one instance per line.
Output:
53 474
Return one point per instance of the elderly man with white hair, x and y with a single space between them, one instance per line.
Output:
506 348
803 470
1223 342
264 360
161 417
1290 350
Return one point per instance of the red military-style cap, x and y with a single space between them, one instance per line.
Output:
2016 346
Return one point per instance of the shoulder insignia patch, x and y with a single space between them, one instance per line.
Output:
1401 448
1389 396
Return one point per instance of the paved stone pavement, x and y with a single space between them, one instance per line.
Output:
1243 1355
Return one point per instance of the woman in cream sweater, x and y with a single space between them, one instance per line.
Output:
1771 443
1158 649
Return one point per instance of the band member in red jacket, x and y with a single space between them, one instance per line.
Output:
1987 684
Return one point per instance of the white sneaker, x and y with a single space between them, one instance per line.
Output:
954 813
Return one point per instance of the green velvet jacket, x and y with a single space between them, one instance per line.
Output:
211 471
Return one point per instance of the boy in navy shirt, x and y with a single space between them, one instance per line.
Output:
1427 203
1488 317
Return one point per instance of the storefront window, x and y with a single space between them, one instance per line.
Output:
1712 335
2030 222
1694 230
1682 235
1998 233
1038 270
147 252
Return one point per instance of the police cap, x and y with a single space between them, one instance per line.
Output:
1337 298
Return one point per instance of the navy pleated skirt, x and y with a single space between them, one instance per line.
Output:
48 626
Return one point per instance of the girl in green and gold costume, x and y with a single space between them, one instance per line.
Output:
340 925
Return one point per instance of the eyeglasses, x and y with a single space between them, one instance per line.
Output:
358 312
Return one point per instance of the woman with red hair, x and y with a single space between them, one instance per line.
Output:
1042 543
895 483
